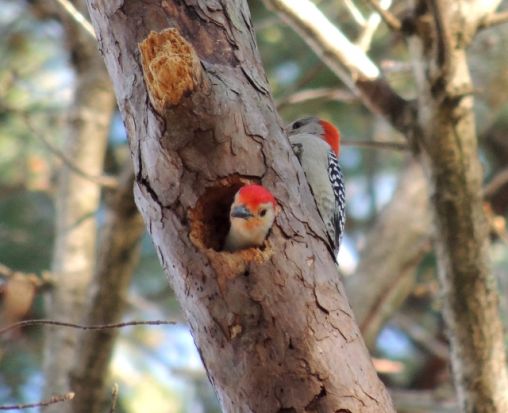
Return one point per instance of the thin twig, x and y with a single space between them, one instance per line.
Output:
329 42
493 19
393 66
54 399
348 62
77 16
105 181
355 13
83 327
496 183
310 74
114 398
394 146
341 95
364 40
390 19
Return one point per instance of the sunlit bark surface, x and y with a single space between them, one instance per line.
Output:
272 325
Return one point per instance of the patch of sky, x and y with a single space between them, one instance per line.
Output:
350 158
11 10
393 343
33 388
286 73
348 256
358 197
385 184
118 132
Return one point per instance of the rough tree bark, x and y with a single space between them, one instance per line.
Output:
77 201
446 118
273 325
441 124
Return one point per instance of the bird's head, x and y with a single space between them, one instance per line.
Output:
318 127
251 216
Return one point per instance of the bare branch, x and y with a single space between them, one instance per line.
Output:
83 327
326 39
310 74
348 61
54 399
496 183
365 38
77 16
394 66
341 95
493 19
390 19
355 13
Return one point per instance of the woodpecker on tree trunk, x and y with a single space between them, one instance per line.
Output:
251 216
316 143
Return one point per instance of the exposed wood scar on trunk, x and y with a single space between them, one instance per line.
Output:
171 68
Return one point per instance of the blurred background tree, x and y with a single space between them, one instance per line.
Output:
388 227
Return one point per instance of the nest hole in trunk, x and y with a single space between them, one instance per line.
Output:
209 219
209 225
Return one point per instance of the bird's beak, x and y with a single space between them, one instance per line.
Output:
240 212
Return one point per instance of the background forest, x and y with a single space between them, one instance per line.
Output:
387 259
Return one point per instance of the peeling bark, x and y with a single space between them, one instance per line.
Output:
272 325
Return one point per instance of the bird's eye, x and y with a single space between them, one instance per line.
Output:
262 212
297 124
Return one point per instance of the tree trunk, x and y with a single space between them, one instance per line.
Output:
272 324
442 124
449 143
77 201
118 255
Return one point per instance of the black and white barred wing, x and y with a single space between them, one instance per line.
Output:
339 189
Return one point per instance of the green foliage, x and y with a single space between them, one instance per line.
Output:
26 230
